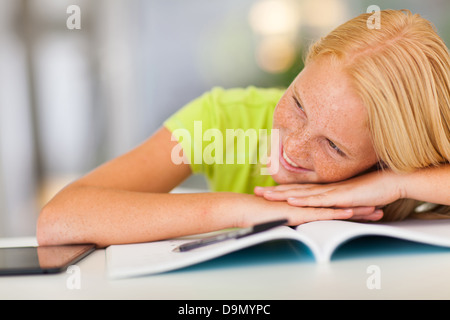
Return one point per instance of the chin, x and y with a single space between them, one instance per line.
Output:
281 178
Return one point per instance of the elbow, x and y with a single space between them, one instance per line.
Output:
53 228
46 234
56 224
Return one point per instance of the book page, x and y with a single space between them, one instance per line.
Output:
321 237
155 257
328 235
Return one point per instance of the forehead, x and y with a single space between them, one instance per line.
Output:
332 106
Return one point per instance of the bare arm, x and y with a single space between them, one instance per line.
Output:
374 189
126 201
430 185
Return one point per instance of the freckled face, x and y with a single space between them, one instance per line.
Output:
324 136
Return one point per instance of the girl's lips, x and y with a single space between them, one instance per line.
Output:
286 163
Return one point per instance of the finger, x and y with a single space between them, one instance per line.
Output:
363 211
304 215
319 200
300 192
261 190
258 191
288 186
376 216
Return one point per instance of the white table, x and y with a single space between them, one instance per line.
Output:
419 275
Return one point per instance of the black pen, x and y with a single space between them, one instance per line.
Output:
235 234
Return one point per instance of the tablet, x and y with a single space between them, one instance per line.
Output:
41 259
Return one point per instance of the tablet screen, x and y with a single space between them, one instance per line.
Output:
32 260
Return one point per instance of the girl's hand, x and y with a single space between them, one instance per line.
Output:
365 192
249 210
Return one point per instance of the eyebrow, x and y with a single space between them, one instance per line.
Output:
336 142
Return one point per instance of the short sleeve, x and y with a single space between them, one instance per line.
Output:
205 129
187 126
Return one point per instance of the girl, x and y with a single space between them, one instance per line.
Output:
363 133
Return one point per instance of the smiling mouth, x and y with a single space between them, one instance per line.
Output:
289 161
289 164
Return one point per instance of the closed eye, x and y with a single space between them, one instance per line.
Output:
331 144
335 148
298 104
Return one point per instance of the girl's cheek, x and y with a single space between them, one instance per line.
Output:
285 117
328 170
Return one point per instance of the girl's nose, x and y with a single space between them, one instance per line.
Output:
297 146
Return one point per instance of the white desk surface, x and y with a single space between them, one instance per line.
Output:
423 275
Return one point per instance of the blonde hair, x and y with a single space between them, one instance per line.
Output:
401 71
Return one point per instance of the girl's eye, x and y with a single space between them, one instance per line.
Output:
333 146
298 104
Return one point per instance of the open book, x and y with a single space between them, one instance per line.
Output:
321 237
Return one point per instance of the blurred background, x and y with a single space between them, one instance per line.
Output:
83 81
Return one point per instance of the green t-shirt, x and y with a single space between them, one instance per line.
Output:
224 134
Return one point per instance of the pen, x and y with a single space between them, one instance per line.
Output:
235 234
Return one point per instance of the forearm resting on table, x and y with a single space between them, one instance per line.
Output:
430 185
88 214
